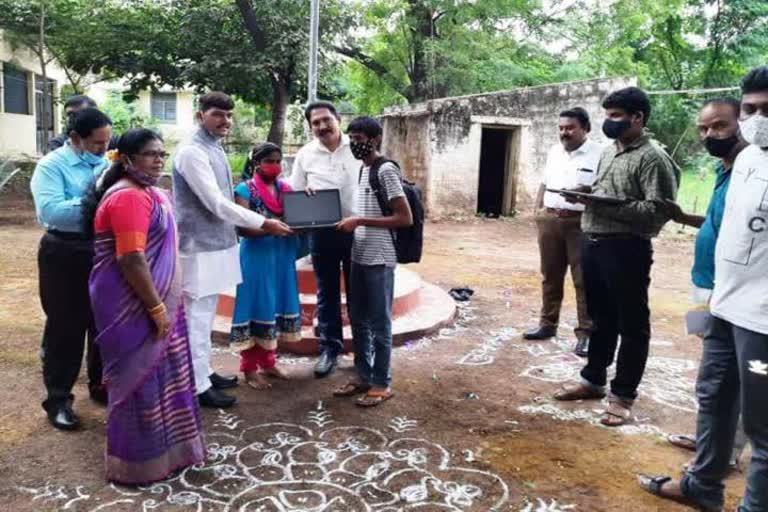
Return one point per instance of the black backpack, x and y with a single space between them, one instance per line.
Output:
408 240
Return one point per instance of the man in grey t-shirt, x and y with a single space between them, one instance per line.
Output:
373 264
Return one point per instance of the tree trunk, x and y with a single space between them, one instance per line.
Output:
421 30
281 95
424 61
43 72
252 24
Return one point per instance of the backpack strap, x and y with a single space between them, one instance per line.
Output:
373 182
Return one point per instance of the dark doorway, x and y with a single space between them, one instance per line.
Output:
495 194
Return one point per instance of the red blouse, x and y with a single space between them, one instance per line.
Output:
126 213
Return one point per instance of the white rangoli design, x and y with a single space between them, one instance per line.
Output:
282 467
484 354
668 381
544 506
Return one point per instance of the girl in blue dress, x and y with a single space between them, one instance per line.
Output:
267 305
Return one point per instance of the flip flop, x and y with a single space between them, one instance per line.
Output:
616 415
351 388
682 441
373 398
655 484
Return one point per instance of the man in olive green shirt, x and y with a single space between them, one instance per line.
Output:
617 253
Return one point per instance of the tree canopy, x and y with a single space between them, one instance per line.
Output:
376 53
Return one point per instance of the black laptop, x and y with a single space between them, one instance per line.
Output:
321 210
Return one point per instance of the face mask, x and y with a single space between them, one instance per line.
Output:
755 130
720 147
271 171
615 129
360 150
92 159
140 177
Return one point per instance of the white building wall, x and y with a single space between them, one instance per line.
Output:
18 131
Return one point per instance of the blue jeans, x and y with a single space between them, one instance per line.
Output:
331 251
732 376
371 316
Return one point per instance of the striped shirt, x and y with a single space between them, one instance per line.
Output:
373 246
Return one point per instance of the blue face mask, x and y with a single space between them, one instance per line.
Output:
92 159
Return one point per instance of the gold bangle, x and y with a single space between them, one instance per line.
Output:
160 308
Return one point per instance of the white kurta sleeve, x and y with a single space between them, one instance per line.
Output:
193 165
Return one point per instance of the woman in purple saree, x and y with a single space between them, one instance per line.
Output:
153 421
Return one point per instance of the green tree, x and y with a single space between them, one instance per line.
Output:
255 50
423 49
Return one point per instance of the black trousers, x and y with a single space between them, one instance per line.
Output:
64 267
616 279
331 252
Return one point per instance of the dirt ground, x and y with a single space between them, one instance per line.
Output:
472 427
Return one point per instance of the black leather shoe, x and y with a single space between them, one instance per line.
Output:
542 333
325 365
222 382
63 418
215 399
582 347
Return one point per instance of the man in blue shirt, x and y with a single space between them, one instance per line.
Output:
59 182
718 127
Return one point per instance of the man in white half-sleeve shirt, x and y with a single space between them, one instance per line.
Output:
207 215
327 163
733 375
570 163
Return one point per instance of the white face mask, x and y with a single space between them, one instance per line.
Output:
755 130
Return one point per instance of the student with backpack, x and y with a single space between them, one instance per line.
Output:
382 212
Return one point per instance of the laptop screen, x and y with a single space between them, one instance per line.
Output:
320 210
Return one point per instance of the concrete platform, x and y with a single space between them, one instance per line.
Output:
419 309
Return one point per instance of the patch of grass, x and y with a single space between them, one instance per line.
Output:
696 189
236 163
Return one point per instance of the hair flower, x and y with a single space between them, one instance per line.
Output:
113 155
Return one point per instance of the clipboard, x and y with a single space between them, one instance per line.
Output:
594 197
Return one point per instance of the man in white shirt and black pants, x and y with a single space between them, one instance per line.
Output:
570 163
733 375
207 215
328 163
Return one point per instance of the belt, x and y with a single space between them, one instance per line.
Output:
596 237
69 235
564 213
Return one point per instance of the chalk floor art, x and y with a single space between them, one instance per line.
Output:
667 381
311 467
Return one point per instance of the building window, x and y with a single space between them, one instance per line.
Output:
164 106
15 90
45 111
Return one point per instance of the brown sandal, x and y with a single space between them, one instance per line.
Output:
351 388
617 414
655 486
374 397
578 392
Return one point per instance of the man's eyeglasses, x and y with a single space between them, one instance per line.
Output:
155 155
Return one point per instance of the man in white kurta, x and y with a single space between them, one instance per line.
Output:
207 216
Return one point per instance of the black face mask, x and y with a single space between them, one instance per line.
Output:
720 147
615 129
360 150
